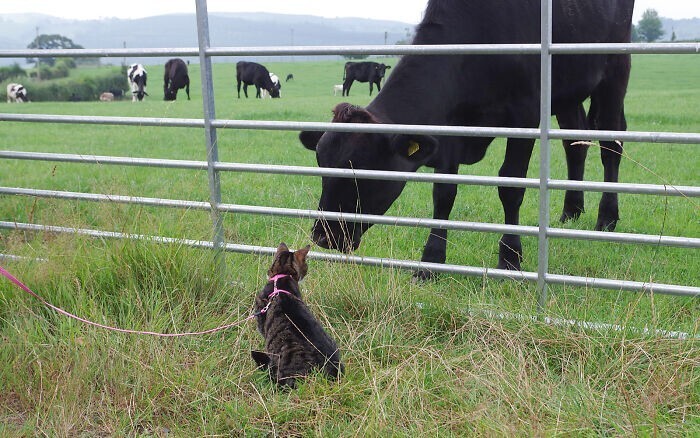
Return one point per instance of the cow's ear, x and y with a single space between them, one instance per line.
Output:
388 67
416 148
310 139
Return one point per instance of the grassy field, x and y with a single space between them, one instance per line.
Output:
420 358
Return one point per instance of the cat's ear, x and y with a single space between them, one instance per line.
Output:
300 254
262 360
281 248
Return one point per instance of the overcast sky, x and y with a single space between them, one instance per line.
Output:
400 10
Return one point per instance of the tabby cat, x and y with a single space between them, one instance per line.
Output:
295 342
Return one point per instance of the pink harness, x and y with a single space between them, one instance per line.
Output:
275 291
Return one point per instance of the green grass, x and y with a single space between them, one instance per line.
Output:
418 360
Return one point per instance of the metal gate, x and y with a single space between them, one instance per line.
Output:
210 124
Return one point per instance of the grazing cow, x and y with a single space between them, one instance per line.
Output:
371 72
276 82
289 77
175 77
252 73
490 90
106 97
337 89
16 93
137 81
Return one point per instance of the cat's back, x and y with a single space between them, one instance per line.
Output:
292 316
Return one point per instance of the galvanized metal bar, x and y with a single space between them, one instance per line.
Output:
632 286
522 230
99 53
275 211
103 120
212 151
493 181
399 50
606 236
626 48
471 131
545 151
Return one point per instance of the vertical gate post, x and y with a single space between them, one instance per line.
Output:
545 150
209 130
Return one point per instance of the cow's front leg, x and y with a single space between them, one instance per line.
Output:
518 152
435 250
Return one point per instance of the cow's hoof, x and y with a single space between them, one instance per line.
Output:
510 252
423 275
570 214
606 224
509 265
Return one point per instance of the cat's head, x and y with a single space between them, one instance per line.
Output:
292 263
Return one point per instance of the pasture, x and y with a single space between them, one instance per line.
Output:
420 358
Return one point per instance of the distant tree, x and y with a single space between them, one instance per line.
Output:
12 71
49 42
649 27
635 34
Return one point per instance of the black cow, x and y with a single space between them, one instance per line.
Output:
371 72
252 73
488 90
175 78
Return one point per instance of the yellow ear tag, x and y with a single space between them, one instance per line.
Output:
413 147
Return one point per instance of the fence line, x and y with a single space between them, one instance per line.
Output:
503 274
493 181
436 49
210 124
522 230
555 134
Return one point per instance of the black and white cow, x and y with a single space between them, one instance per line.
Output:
252 73
368 71
17 93
276 82
137 77
476 90
175 78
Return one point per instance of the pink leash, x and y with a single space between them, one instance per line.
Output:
121 330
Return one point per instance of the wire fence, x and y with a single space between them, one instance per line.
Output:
210 124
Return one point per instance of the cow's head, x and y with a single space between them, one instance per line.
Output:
274 91
395 152
170 93
140 92
381 70
21 94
